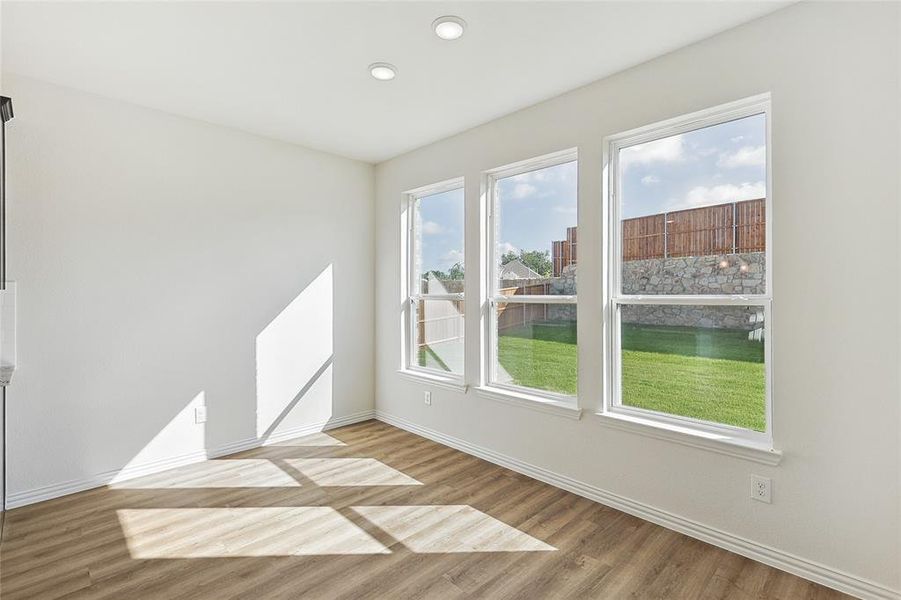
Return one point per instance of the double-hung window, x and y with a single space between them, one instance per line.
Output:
690 272
435 270
531 267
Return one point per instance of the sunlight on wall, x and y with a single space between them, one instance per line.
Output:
226 532
342 472
232 473
449 528
293 361
180 432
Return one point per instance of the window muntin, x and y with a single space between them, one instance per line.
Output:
435 339
532 321
690 262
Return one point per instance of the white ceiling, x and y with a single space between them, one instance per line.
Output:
298 71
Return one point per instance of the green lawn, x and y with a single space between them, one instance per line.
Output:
540 356
710 374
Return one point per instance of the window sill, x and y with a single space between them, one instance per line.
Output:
722 444
546 405
450 383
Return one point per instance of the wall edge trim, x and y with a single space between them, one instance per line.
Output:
66 488
796 565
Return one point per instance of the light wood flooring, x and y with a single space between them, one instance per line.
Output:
364 511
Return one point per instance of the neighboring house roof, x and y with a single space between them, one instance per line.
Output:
516 269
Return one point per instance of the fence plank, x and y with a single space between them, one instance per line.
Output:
719 229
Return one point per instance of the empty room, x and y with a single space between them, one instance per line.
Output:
450 300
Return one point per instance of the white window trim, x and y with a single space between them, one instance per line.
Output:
421 376
758 445
546 401
514 395
409 369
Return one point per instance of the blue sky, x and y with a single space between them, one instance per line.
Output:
441 230
718 164
535 208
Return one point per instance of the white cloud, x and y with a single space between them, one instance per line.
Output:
650 179
523 190
432 228
529 176
452 257
562 172
505 247
737 139
565 210
720 194
746 156
670 149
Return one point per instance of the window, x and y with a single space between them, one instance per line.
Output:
690 266
532 287
435 270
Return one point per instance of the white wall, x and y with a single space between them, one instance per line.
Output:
833 71
163 263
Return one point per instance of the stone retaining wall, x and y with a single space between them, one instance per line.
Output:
714 274
691 275
719 317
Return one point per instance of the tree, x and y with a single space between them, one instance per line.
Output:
537 260
456 272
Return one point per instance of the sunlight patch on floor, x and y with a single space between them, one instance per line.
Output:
230 532
449 528
343 472
231 473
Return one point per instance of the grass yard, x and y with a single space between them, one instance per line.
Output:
540 356
710 374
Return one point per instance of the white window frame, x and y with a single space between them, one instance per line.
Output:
413 295
612 402
490 387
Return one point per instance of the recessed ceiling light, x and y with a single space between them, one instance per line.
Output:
383 71
449 27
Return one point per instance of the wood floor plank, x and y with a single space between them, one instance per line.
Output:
364 511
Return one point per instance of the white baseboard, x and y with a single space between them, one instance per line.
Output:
778 559
49 492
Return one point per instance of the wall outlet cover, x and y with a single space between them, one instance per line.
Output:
761 489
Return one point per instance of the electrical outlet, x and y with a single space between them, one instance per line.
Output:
199 414
427 398
761 489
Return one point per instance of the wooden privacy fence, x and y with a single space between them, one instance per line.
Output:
514 314
564 252
442 320
439 321
721 229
